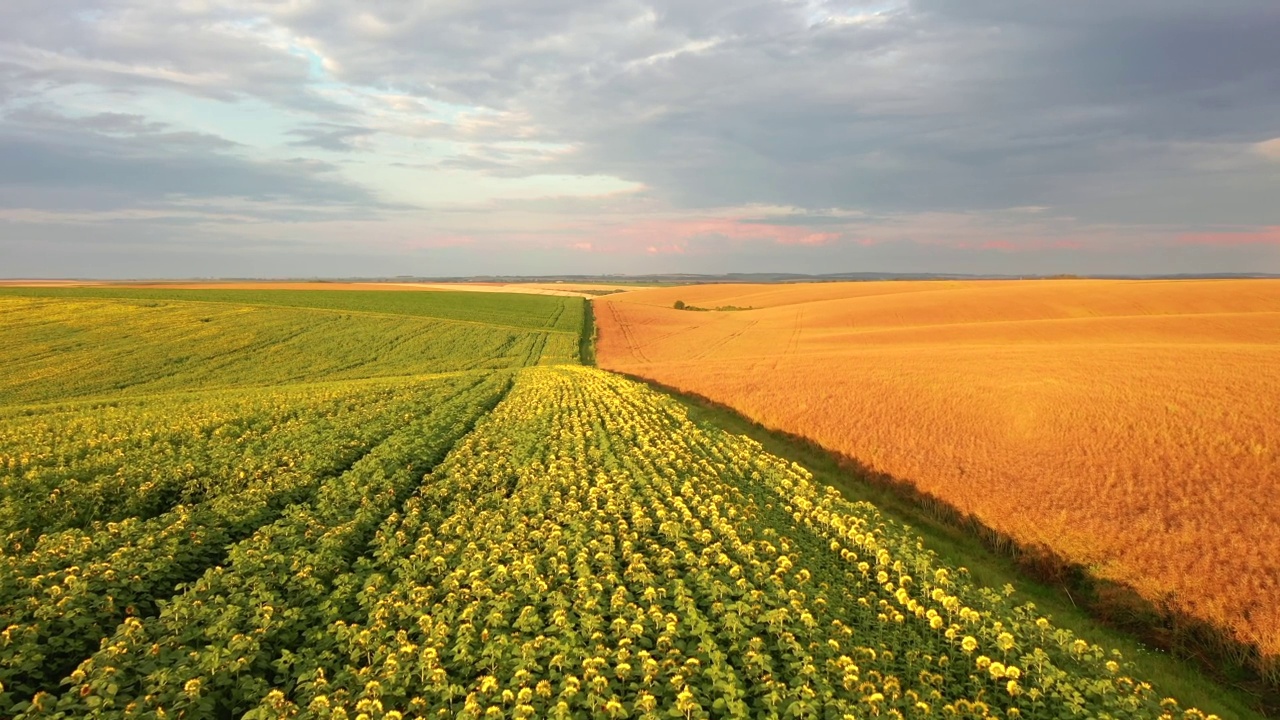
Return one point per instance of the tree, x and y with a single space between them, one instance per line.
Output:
679 305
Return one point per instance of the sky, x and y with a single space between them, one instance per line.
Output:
341 138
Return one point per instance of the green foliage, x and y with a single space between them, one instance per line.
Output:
588 551
513 310
719 308
208 422
63 348
61 591
587 336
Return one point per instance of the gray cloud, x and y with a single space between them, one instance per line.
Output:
109 122
147 250
935 105
205 49
715 255
1129 114
49 161
327 136
42 121
938 104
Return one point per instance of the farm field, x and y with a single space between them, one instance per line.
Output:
1130 426
57 349
391 507
522 312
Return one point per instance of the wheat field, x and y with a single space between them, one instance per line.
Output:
1132 426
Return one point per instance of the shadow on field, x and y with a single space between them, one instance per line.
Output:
1116 605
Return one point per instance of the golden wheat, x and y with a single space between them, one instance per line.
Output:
1131 426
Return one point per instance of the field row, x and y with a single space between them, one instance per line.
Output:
585 551
118 509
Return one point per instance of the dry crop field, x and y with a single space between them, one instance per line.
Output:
1133 426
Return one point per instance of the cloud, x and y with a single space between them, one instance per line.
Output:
507 158
50 161
747 131
43 121
1269 149
215 50
675 233
928 108
1236 238
327 136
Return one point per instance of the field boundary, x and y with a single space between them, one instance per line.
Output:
587 336
1198 645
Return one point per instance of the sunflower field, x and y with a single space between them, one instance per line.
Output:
545 541
588 551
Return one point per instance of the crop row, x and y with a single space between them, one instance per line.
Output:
588 551
63 595
95 462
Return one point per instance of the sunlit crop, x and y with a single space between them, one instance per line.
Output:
56 348
589 551
519 543
1130 426
108 509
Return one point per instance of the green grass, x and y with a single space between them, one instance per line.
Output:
514 310
958 547
587 336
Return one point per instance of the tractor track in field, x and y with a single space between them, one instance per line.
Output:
632 344
793 341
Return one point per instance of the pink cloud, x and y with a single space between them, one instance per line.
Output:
1252 236
811 239
1269 149
1000 245
583 246
1027 232
678 231
1020 232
